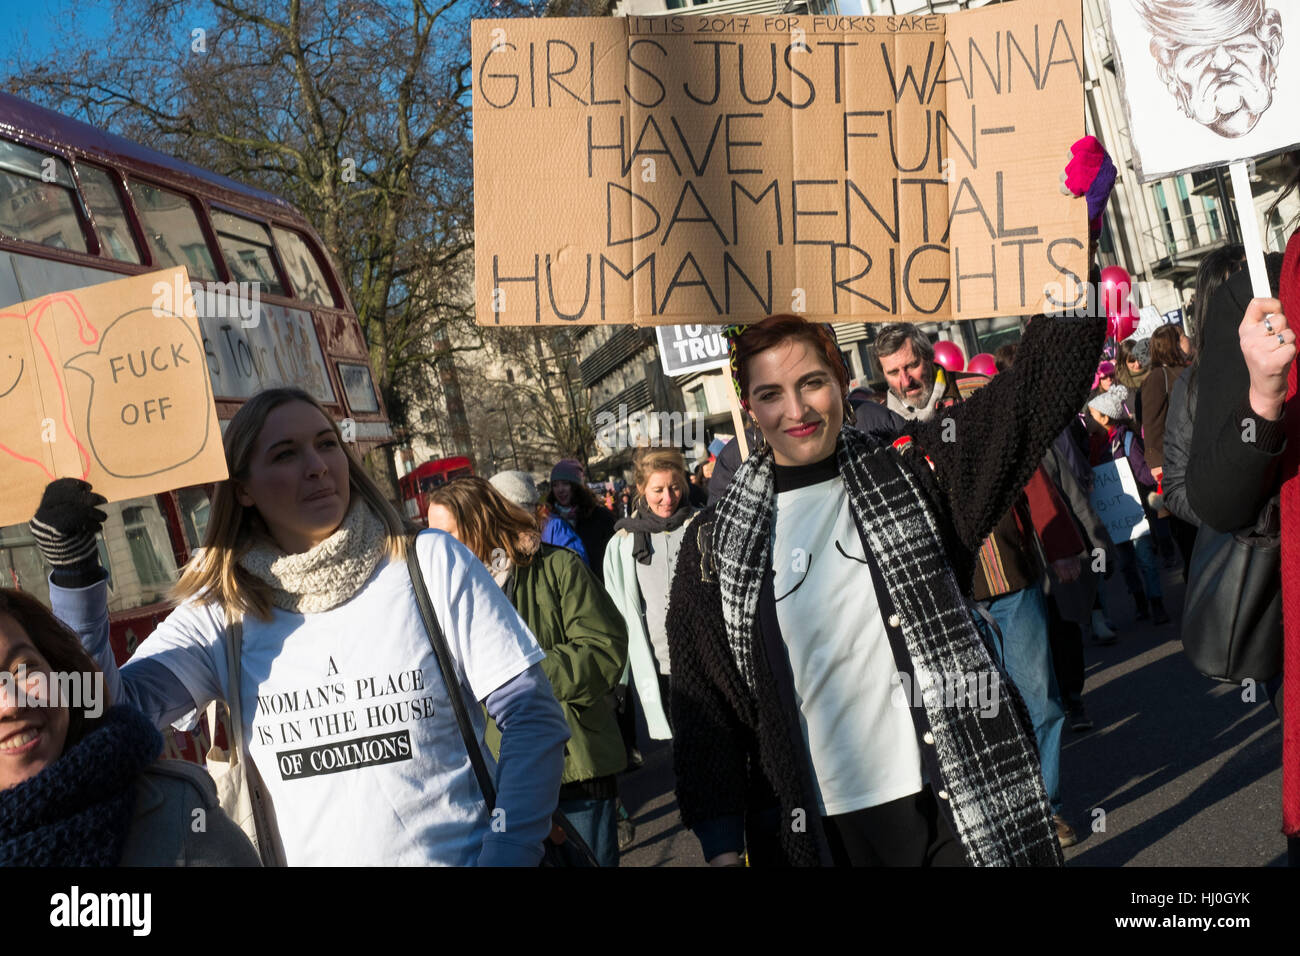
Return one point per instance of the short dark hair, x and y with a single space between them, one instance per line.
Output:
777 328
1004 356
58 645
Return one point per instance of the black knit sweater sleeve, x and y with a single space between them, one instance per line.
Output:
710 745
986 448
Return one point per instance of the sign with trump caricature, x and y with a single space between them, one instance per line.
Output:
1207 82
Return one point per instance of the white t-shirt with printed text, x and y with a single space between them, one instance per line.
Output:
346 715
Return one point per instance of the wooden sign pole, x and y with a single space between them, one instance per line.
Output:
738 419
1250 236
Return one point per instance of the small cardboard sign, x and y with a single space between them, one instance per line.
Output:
691 348
678 169
1115 499
1206 82
108 384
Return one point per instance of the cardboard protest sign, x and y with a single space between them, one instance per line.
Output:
108 384
675 169
1115 498
691 348
1204 80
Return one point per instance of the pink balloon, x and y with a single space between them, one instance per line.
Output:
1116 286
1122 322
984 364
948 355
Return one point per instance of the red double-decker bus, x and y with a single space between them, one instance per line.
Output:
79 206
417 484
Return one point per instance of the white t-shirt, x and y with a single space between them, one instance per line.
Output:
345 713
862 748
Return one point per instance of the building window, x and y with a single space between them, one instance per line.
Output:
1186 202
1212 216
1164 215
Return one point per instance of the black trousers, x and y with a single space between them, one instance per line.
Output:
1067 653
909 831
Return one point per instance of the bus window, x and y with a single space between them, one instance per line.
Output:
140 558
172 230
38 200
105 203
304 271
21 564
195 509
247 249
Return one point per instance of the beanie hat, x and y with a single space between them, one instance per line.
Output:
517 487
1111 403
567 469
1106 368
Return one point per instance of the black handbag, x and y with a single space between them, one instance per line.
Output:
1232 612
574 851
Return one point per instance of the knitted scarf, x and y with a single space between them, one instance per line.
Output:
644 522
1290 297
327 575
78 810
989 765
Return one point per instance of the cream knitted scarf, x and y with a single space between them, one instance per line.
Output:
327 575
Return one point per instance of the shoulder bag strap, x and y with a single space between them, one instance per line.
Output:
267 847
434 631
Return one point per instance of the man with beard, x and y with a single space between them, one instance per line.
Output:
1217 57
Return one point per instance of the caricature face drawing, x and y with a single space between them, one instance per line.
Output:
1218 58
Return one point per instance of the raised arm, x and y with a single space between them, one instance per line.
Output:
64 527
985 449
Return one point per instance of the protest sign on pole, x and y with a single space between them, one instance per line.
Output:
691 348
1116 500
108 384
1201 82
677 169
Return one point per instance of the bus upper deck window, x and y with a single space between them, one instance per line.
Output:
105 203
304 271
247 248
38 199
172 230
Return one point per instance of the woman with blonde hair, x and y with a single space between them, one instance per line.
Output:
577 626
347 727
639 565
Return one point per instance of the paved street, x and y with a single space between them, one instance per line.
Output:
1186 772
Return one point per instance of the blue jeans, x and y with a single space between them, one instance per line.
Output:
1027 657
1140 555
596 822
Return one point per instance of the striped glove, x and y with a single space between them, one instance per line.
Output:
66 523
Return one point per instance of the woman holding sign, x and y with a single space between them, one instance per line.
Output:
302 584
822 602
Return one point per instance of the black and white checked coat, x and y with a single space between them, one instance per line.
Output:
922 510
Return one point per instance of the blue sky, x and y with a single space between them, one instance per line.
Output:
35 23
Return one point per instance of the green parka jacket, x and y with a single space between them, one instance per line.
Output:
585 641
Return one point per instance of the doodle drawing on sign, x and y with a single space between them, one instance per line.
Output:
1218 58
37 434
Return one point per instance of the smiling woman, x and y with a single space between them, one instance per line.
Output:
835 568
301 583
80 785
